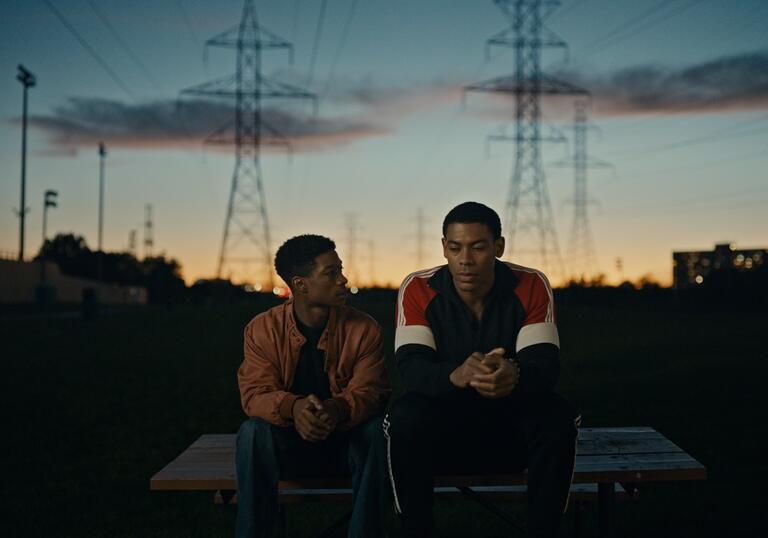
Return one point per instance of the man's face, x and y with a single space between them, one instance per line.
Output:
471 252
325 285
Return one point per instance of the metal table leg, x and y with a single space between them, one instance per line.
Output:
606 509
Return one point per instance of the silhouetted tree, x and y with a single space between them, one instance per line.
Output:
160 275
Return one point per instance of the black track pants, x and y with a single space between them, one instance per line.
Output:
468 434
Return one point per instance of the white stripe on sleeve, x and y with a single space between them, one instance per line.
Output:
414 334
537 333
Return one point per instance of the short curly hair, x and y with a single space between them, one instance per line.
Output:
296 257
474 213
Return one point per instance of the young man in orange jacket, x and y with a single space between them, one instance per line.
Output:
314 384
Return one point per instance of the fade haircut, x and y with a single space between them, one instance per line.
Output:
296 257
474 213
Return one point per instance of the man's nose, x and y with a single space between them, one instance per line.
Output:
465 257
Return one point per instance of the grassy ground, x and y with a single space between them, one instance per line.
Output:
93 409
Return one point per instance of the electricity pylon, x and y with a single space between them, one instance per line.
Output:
247 239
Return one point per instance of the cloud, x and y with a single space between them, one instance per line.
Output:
170 124
738 82
729 83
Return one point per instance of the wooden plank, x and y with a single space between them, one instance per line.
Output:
634 454
579 492
626 446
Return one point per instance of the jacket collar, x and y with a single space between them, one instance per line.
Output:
330 327
504 281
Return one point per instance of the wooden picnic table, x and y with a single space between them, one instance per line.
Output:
610 463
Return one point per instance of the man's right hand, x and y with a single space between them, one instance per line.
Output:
306 419
473 364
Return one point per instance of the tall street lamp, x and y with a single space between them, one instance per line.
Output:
49 201
102 157
28 80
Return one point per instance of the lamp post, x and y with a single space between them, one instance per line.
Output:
102 157
28 80
49 201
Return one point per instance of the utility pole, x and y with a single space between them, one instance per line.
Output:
350 256
420 221
582 259
528 222
28 80
50 200
132 242
247 239
149 231
371 263
102 158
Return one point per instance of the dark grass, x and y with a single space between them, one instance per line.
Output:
91 410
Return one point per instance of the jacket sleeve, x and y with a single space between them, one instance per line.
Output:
421 372
262 393
537 347
415 348
367 391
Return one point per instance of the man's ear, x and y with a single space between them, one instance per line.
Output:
498 247
298 285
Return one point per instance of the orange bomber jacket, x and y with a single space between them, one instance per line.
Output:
354 362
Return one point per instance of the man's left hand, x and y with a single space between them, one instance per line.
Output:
501 382
329 413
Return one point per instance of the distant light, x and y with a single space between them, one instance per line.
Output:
282 291
257 287
732 246
249 288
699 279
353 290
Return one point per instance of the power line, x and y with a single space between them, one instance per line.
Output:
568 8
631 22
342 43
316 46
606 43
188 23
663 18
90 49
724 134
123 44
295 21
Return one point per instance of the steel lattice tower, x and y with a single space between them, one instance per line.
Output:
528 221
247 238
582 260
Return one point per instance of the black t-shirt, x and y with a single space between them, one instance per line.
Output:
310 377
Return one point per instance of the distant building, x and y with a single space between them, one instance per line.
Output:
692 268
19 280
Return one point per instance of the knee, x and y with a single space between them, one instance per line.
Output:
372 431
252 429
408 418
561 422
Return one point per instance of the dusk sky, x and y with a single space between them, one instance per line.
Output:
680 106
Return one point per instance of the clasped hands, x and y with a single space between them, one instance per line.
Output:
491 375
313 419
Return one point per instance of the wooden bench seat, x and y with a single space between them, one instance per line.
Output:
611 461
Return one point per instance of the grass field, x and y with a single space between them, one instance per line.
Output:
92 409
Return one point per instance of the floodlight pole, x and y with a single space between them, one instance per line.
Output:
28 80
102 157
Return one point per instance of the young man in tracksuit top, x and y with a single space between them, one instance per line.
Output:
477 349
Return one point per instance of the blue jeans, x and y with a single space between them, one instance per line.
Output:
268 453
